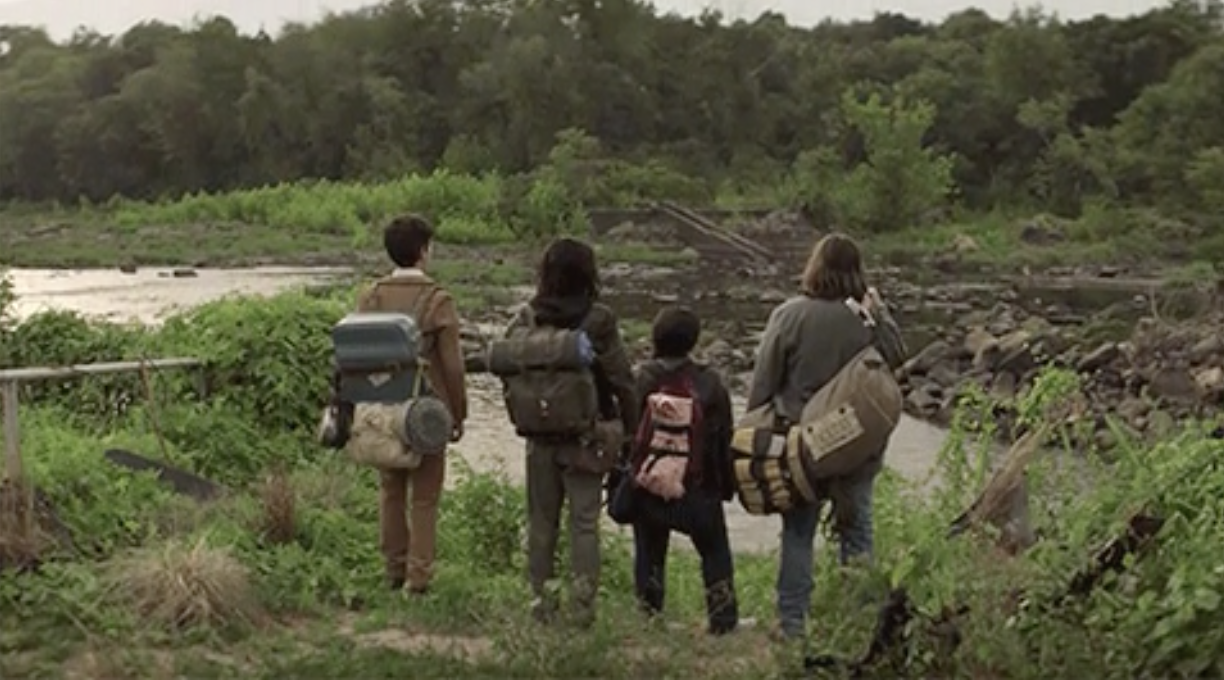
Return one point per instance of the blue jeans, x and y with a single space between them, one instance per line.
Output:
854 494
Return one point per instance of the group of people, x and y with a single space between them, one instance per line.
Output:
806 342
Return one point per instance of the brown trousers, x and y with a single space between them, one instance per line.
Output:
410 534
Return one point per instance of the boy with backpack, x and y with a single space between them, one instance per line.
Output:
680 468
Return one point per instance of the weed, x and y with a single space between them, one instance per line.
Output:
181 585
279 501
28 526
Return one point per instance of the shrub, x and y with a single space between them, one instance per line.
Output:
179 585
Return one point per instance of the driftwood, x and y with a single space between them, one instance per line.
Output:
1003 502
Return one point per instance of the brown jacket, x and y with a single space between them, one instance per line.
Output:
401 292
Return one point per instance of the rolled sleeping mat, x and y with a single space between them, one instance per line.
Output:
544 349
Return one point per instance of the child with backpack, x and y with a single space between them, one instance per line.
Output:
679 469
569 392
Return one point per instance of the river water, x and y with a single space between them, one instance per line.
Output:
489 444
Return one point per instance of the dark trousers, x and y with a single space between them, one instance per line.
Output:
650 540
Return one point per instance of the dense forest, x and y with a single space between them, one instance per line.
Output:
1030 111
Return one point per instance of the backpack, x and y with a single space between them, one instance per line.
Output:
667 448
548 378
381 357
769 471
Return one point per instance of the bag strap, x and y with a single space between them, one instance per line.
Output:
419 307
421 304
861 312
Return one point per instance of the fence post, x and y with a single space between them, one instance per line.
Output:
12 436
11 379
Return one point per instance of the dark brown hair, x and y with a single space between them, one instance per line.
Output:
675 332
568 270
834 270
405 238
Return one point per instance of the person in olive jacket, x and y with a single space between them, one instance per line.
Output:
567 296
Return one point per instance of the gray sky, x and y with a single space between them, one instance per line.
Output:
115 16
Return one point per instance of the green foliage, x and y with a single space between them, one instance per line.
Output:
7 300
102 510
1205 175
466 208
624 104
494 545
268 359
901 180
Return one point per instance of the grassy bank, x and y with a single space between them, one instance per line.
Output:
336 223
281 578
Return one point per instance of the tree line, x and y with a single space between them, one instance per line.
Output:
1028 111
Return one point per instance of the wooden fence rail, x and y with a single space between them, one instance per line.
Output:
12 378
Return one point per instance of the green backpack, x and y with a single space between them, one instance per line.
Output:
548 379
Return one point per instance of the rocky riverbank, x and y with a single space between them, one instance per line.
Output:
1162 372
1135 364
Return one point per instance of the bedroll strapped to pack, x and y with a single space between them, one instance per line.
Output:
549 385
398 436
769 472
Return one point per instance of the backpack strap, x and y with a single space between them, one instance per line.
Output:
419 307
861 312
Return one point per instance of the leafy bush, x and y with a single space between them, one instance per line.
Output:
268 358
103 507
454 201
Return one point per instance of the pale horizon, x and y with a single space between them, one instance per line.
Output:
62 17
